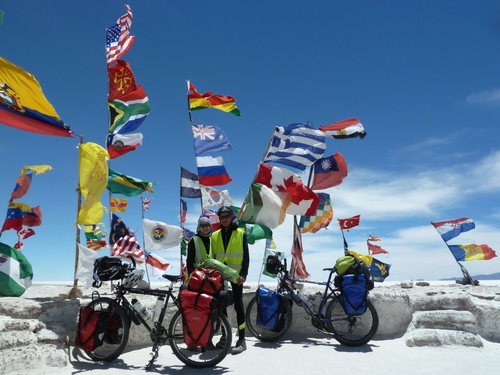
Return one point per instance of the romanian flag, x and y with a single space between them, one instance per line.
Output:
207 100
23 105
472 252
118 205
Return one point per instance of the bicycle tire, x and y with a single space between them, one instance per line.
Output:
199 357
265 334
351 330
117 330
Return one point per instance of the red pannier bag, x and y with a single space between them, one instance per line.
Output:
91 328
206 280
198 311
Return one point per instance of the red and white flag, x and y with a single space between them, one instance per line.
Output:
376 249
145 204
128 246
156 266
349 223
300 270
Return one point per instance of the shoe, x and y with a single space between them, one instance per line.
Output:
240 347
221 343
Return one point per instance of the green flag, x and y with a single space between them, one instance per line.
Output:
15 272
129 186
258 232
1 16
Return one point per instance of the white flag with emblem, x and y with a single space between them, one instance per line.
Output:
159 236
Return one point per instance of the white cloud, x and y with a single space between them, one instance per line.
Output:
485 97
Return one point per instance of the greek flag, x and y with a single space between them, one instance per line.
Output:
296 145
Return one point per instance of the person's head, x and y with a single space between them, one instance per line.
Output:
204 225
225 216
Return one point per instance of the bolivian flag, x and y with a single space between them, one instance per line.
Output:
207 100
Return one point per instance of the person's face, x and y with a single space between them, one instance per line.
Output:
225 220
205 228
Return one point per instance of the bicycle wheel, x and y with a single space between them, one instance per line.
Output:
351 330
117 330
199 357
265 334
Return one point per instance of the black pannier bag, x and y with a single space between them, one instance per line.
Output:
107 269
273 265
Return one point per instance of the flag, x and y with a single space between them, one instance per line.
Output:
257 232
118 205
126 247
211 171
472 252
374 238
329 172
23 105
300 270
120 144
207 100
349 128
121 80
452 228
296 145
128 112
322 217
85 268
262 206
15 272
376 249
190 187
268 252
126 185
214 218
380 270
14 219
145 204
270 244
159 236
23 183
215 198
184 208
92 232
93 170
32 217
156 266
118 229
2 13
349 223
209 139
118 38
24 233
36 169
187 234
297 198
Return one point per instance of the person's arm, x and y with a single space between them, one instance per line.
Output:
246 258
190 256
226 272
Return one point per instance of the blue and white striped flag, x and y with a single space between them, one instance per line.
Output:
296 145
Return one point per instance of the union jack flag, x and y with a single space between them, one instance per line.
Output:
203 131
118 38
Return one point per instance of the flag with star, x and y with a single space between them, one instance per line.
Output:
329 172
209 138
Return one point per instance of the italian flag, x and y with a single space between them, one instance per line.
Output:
15 272
263 207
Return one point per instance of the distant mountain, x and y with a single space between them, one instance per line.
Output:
493 276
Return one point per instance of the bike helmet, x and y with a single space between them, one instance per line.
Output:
224 209
133 278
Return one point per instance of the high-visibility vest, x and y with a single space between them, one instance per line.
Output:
200 252
233 256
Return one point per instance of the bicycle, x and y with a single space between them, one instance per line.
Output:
349 330
120 313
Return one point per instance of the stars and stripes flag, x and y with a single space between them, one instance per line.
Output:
145 204
128 246
118 38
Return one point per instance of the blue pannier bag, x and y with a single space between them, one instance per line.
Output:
268 307
354 292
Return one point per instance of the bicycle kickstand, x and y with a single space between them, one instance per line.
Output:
154 355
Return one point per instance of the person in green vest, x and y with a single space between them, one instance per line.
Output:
199 245
229 245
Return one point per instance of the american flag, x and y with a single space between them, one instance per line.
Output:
145 204
118 38
128 246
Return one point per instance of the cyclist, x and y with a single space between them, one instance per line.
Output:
199 245
229 245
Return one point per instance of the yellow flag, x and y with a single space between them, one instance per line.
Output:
37 169
118 205
93 177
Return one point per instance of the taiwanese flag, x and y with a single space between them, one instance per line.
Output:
349 128
184 208
329 172
349 223
211 171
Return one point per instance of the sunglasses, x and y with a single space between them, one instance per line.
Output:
204 225
225 217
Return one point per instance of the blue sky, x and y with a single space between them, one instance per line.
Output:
422 77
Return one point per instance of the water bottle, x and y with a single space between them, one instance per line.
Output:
141 309
304 299
318 297
158 308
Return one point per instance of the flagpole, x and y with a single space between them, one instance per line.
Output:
180 209
189 109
